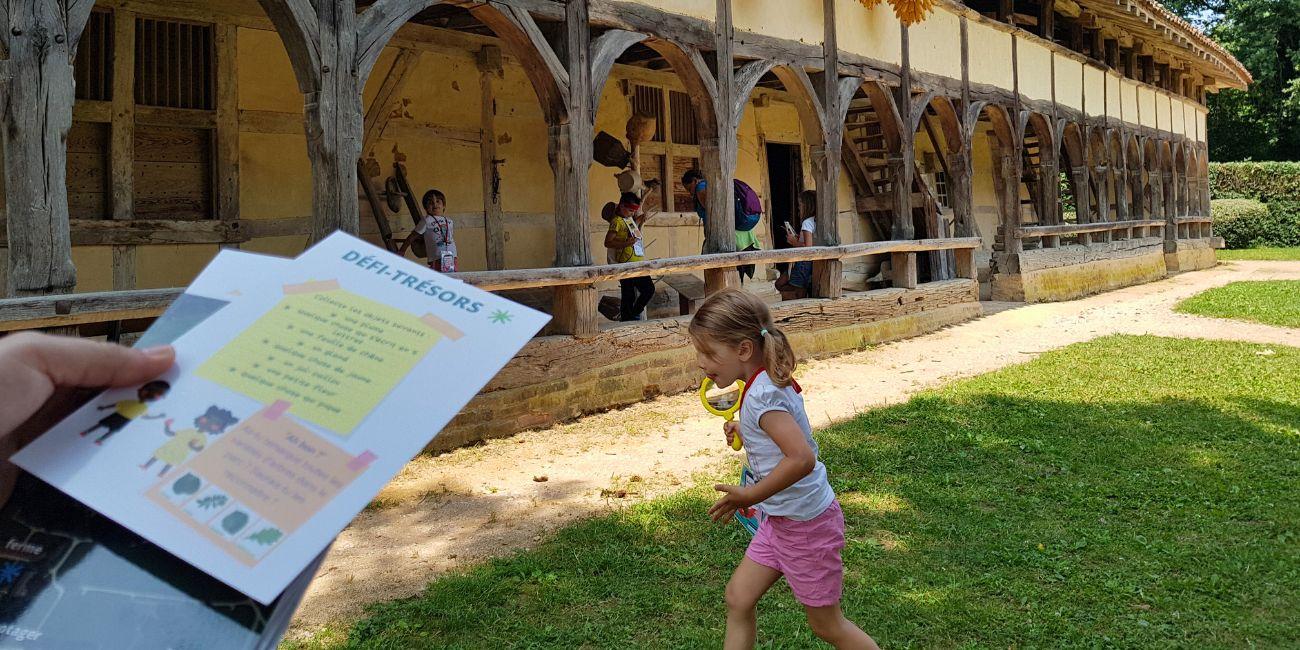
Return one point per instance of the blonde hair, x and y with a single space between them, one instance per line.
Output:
732 317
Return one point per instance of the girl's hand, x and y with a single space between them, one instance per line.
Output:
735 498
731 430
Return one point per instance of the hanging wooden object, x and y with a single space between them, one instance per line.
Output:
641 128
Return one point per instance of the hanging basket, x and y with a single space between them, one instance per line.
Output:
640 128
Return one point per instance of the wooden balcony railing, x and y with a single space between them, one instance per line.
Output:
106 311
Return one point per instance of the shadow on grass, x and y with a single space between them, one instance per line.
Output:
1111 494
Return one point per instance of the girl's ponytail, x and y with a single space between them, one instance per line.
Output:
732 317
778 356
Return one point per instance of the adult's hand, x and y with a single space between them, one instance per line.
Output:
34 366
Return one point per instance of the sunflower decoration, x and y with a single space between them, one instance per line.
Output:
909 12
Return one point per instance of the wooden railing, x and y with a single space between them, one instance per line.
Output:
575 302
1050 236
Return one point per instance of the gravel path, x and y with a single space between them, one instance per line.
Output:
458 508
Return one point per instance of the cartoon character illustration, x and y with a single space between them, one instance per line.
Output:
129 409
213 422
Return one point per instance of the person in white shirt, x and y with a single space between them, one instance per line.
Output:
796 283
436 228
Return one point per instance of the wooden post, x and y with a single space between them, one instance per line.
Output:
719 157
333 49
575 310
570 149
1006 183
903 268
966 263
1082 210
494 227
828 275
227 122
900 164
122 148
960 191
1047 20
124 275
36 95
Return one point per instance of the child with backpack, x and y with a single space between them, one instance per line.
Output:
748 211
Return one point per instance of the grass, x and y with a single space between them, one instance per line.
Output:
1273 302
1269 254
1128 492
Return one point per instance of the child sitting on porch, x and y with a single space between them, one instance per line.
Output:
735 338
794 284
436 228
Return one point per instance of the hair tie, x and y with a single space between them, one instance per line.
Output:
762 332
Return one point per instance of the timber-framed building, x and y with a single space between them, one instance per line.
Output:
1008 149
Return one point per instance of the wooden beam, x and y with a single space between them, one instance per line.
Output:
122 147
36 99
380 111
124 274
1047 20
489 69
570 147
227 122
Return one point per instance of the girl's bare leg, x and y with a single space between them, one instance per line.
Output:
829 624
750 581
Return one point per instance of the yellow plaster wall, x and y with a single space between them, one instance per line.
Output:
799 20
1069 82
1189 120
991 65
1200 125
932 42
94 266
1129 104
1035 69
1147 106
1178 121
694 8
1162 112
984 197
872 33
266 81
1094 91
1114 105
159 267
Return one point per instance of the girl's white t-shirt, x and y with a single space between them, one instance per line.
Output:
809 225
810 495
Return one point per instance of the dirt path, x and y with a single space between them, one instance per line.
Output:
447 511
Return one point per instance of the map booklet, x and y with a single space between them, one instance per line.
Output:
294 399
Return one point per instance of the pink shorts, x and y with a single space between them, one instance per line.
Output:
806 552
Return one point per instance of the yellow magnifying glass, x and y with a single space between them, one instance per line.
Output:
727 414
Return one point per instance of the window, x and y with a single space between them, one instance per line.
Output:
684 128
93 68
941 187
174 64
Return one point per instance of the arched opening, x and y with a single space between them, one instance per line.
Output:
1152 189
936 136
1133 163
1100 185
996 206
1166 160
1074 173
1039 178
1119 177
1179 186
871 155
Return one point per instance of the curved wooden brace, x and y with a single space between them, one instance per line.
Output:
1072 143
891 123
746 78
1042 128
377 25
78 14
524 40
972 116
1098 154
1164 156
295 20
846 87
605 50
701 87
1001 121
797 83
919 104
949 123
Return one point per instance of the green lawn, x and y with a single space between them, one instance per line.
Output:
1272 302
1271 254
1129 492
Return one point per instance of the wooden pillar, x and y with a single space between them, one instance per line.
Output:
828 276
960 191
903 268
227 157
494 228
1009 198
1049 192
718 156
570 149
333 49
1047 20
122 147
36 95
575 310
901 162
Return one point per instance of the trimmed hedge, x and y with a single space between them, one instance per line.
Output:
1247 223
1262 181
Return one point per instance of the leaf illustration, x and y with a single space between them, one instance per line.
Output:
234 521
213 501
266 536
188 484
